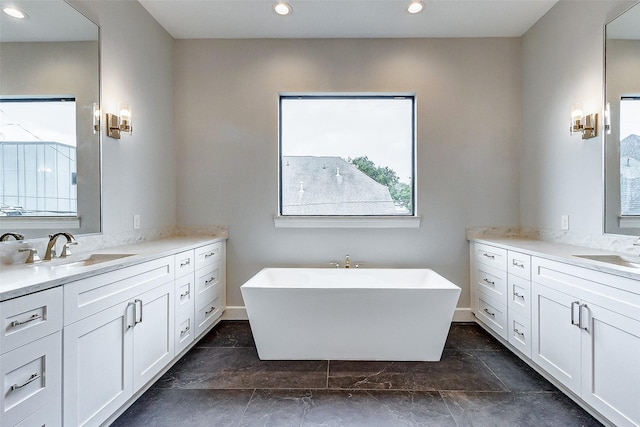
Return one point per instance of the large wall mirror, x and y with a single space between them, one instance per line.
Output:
49 147
622 140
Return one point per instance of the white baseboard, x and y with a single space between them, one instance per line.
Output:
239 312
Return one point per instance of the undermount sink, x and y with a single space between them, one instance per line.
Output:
624 261
91 260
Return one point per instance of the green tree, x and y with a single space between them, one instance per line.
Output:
400 192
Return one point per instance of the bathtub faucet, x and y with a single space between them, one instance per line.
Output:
347 263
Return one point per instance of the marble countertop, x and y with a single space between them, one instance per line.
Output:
22 279
565 253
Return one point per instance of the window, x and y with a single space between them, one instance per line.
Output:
38 157
347 155
630 156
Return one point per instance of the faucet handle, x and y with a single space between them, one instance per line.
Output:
66 251
33 255
334 264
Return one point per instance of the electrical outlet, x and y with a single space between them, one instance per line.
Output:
564 222
136 221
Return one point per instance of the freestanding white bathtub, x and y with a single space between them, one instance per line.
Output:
349 314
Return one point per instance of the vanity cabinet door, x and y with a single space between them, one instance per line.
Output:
98 363
153 334
611 364
556 335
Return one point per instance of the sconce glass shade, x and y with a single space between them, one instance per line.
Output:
576 118
607 118
415 6
126 118
95 117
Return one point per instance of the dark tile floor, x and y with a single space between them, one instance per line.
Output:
478 382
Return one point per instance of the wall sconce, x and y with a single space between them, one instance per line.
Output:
587 125
116 125
607 118
95 117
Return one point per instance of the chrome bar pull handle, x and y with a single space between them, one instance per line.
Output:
31 379
185 263
136 305
210 254
186 294
489 281
518 264
489 255
211 279
573 321
126 312
488 312
586 328
33 317
211 310
518 332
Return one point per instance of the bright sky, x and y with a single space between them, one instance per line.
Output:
380 129
51 121
629 117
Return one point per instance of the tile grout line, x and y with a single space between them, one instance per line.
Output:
246 407
328 365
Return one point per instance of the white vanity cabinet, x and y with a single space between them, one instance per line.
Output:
119 333
31 360
210 285
489 286
519 301
587 335
184 299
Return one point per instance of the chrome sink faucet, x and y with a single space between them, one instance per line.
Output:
347 263
51 246
16 236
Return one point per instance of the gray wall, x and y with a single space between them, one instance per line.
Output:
138 174
226 105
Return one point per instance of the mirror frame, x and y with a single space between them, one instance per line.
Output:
40 227
610 150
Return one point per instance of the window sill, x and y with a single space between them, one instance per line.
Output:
38 222
347 221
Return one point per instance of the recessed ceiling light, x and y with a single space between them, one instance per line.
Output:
282 8
415 6
14 13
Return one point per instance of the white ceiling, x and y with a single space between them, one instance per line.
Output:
204 19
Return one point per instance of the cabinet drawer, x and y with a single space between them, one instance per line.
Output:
207 255
30 317
519 264
208 313
491 281
519 295
185 332
208 283
185 294
490 255
31 378
85 297
49 416
492 314
519 332
184 263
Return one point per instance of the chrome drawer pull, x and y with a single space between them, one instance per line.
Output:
184 331
185 263
30 319
186 294
206 313
206 282
488 312
518 332
573 321
515 294
31 379
135 307
489 255
209 255
517 264
489 281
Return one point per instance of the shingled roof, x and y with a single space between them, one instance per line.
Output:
331 186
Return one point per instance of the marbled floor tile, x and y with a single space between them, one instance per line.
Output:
229 333
456 370
197 408
498 409
513 372
220 367
470 336
328 408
